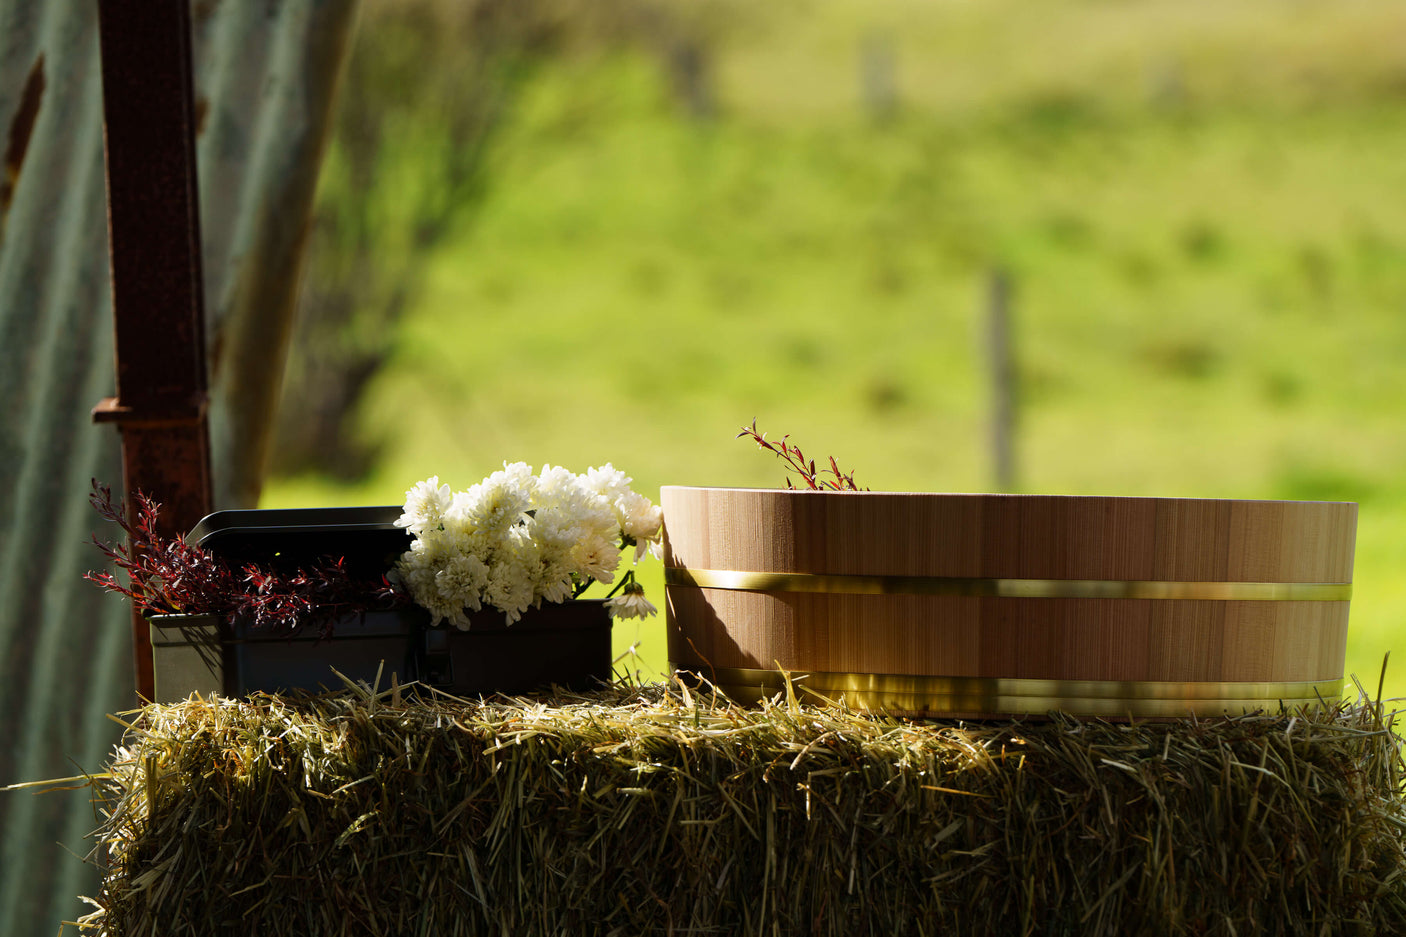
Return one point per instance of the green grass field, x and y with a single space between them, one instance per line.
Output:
1201 211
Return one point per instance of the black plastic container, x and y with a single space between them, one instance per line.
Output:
366 537
566 644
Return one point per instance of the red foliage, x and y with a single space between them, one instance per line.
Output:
169 576
797 463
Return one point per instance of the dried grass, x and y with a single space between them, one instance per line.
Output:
659 811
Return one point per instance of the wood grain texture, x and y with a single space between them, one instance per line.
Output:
1008 537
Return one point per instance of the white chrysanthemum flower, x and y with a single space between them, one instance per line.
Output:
509 594
641 522
630 603
416 565
459 516
498 502
638 516
596 557
555 584
520 473
417 580
425 505
442 610
440 606
556 485
462 580
607 481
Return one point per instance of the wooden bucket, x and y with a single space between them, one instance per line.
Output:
986 605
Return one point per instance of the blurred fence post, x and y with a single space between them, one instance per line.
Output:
1002 365
690 62
877 86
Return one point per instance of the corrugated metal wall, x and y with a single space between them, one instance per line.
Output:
265 73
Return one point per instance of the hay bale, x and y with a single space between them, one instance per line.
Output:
659 811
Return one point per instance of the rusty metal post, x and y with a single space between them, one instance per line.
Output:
154 250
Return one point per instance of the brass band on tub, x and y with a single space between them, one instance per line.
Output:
1009 588
937 695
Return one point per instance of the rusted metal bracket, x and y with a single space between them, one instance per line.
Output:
154 248
189 413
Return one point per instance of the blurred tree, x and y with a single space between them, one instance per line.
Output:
427 83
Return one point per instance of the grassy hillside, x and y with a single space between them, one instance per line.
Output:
1200 209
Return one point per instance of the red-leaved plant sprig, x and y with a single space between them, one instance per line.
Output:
166 575
799 465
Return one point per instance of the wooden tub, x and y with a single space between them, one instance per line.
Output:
984 605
